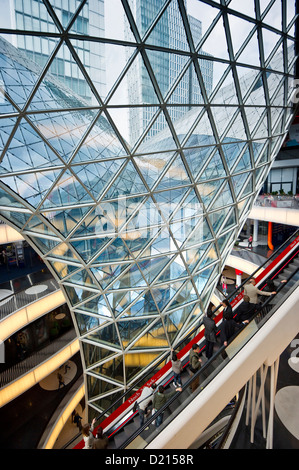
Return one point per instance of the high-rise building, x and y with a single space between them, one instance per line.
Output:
176 85
34 16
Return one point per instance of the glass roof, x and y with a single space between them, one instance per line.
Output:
135 136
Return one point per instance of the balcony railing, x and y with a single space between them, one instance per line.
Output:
279 201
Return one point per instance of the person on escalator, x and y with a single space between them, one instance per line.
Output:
177 368
245 310
194 365
228 328
144 400
253 292
210 333
160 398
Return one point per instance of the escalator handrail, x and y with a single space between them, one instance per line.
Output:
218 318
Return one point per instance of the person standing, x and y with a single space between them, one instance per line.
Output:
160 398
100 441
227 308
250 240
88 437
252 291
228 328
210 333
195 365
176 369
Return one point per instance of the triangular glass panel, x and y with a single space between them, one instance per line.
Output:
273 17
217 218
128 182
136 88
163 293
153 338
183 119
160 62
277 61
247 8
98 306
232 152
186 295
175 270
175 321
115 251
215 43
87 323
35 224
87 248
192 256
123 303
249 82
136 362
77 295
169 201
67 69
250 54
67 191
176 175
208 190
97 176
92 355
63 130
6 127
105 336
196 159
67 219
27 151
158 137
61 268
19 219
132 278
202 279
82 278
190 207
145 305
32 186
107 274
181 231
248 188
238 182
226 94
244 162
129 330
214 169
151 166
100 142
200 234
239 30
63 251
187 92
223 198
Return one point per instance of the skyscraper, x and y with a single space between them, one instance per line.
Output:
177 87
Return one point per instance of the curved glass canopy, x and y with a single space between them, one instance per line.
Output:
135 191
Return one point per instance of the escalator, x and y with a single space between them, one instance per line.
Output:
121 424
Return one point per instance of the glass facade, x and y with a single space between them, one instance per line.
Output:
137 230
